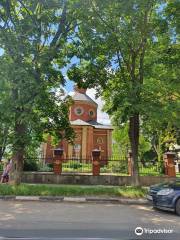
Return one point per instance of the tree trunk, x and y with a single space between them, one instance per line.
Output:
17 168
18 155
134 141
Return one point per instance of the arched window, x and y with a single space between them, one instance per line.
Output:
100 140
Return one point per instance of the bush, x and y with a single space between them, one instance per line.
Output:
1 166
119 167
30 165
50 165
161 167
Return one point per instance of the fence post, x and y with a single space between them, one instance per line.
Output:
169 158
57 160
130 163
96 153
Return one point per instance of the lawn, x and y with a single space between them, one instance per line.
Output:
72 190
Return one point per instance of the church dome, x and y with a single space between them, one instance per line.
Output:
79 94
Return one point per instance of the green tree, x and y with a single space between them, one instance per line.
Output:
5 114
113 42
116 44
34 37
121 143
161 121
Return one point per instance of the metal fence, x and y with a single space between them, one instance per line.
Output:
110 165
75 165
151 168
84 165
114 165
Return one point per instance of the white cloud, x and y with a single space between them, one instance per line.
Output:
70 93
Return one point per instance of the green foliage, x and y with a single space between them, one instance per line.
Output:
144 146
30 165
33 38
50 165
120 141
5 114
121 144
129 51
149 155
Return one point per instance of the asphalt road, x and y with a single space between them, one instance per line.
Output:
47 220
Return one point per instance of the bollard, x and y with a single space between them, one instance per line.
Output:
96 153
169 164
130 163
57 160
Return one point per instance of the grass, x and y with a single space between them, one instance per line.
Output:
72 190
177 174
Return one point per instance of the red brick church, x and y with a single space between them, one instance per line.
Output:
89 133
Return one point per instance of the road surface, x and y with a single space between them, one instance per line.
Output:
48 220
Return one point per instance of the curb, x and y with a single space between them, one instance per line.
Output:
127 201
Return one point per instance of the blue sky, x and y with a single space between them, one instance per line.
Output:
69 84
1 51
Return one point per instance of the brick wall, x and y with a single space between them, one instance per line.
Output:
86 108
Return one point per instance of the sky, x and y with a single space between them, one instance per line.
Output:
1 51
69 85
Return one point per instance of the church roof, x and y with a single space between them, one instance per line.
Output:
79 122
77 96
92 123
99 125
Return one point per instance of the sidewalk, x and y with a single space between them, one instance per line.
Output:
127 201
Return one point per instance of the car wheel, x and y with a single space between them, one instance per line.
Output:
178 207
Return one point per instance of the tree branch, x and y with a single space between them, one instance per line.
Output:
27 10
60 26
